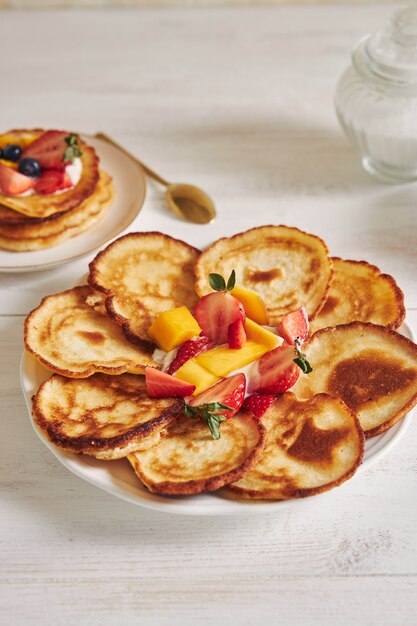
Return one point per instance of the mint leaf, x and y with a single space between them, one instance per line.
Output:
301 359
208 412
217 282
73 151
232 281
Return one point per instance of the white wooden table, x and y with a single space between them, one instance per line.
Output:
238 101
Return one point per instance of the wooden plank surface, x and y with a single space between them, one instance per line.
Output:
240 103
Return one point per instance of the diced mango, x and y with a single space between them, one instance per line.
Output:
261 335
193 373
10 164
221 361
171 328
252 303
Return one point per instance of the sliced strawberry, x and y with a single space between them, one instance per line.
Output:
52 180
48 149
161 385
258 403
277 371
293 325
215 312
211 404
187 351
12 182
236 335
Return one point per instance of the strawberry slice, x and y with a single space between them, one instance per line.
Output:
49 149
236 335
293 325
161 385
258 403
215 312
187 351
277 371
219 402
52 180
12 182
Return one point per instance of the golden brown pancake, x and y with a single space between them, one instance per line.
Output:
66 226
69 337
187 460
311 447
38 205
105 416
141 275
359 291
287 267
28 228
371 368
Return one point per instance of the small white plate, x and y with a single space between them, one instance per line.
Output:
130 191
118 478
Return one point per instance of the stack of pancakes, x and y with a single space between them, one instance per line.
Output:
94 338
35 221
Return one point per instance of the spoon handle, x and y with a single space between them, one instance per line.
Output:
145 168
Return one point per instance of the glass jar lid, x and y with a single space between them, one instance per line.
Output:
392 52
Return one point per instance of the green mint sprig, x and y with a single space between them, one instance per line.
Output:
301 359
208 413
73 151
218 283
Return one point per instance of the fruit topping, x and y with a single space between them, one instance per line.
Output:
236 335
195 374
12 152
187 351
218 403
13 183
258 403
252 303
52 180
216 311
171 328
277 371
30 167
161 385
53 150
222 361
294 325
262 335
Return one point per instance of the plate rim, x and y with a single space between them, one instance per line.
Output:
234 506
6 269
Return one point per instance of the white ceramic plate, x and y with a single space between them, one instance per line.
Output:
118 478
130 191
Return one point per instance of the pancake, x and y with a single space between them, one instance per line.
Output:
371 368
38 205
104 416
311 447
287 267
187 460
68 225
359 291
141 275
44 227
69 337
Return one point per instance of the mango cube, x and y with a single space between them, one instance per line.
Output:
221 361
193 373
252 303
172 328
262 335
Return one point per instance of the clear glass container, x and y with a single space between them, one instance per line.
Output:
376 99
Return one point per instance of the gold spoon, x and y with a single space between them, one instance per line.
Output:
188 202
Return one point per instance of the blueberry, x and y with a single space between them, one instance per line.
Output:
1 153
30 167
12 152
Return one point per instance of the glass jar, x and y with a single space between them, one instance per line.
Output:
376 99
